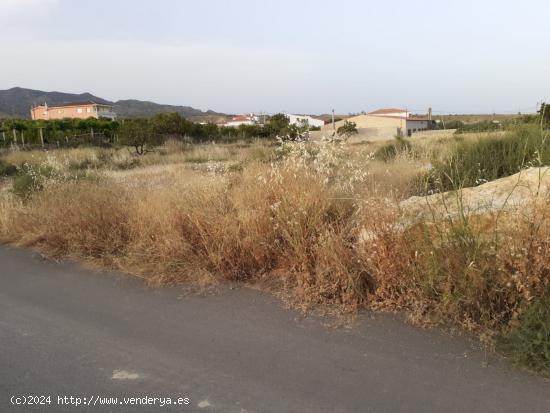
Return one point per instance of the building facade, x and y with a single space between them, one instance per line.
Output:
304 120
76 110
400 120
382 125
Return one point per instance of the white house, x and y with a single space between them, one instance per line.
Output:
304 120
242 120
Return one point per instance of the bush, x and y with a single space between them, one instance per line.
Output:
349 128
389 151
24 185
529 342
30 179
7 169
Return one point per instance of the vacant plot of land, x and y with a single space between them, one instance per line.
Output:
318 224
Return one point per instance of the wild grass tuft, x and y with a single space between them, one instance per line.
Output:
484 160
391 150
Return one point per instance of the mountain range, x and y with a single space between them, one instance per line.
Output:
16 103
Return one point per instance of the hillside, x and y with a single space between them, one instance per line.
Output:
16 102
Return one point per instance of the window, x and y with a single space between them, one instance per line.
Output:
79 110
88 110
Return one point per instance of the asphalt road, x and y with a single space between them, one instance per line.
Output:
67 331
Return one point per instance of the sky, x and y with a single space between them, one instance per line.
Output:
241 56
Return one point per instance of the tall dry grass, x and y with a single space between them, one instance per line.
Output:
311 226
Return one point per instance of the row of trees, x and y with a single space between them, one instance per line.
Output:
36 132
140 132
143 133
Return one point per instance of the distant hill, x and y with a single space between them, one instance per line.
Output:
17 101
134 108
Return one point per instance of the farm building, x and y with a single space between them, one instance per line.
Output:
399 121
384 124
304 120
76 110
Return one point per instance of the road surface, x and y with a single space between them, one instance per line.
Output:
67 331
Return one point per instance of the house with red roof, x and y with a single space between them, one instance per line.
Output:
239 120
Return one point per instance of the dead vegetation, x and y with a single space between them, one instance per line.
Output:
319 224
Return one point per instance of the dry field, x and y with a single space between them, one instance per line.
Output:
320 225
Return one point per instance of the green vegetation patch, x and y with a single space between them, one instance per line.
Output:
475 163
528 343
390 151
7 169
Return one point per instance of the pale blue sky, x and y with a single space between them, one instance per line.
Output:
298 56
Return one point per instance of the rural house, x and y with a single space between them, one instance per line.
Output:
242 120
304 120
76 110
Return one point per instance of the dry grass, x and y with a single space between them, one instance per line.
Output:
36 156
282 226
319 225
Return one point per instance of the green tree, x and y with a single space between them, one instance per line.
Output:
347 129
278 123
139 134
167 124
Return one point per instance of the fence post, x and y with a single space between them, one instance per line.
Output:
41 137
92 133
14 136
67 139
4 136
23 138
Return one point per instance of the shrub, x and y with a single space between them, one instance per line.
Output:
24 185
30 179
390 151
347 129
528 343
7 169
